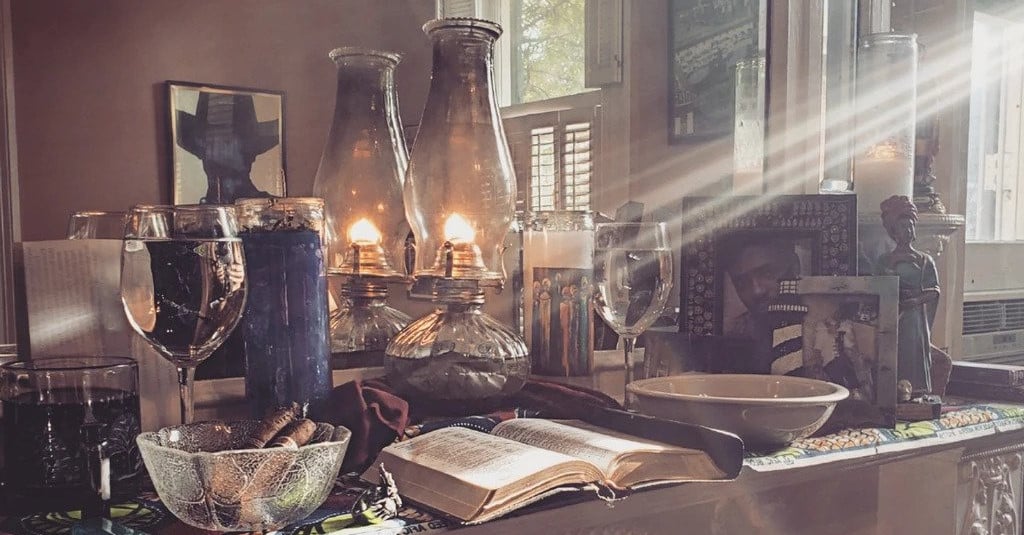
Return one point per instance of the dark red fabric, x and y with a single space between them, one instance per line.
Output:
376 415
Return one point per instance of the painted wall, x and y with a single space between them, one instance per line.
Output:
662 173
92 131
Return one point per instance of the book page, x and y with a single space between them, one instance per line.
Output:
601 447
477 458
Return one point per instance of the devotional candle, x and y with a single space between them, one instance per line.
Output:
285 322
558 252
886 119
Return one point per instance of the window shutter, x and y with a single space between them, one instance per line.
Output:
603 54
577 166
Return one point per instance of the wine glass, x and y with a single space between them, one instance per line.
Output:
183 283
632 279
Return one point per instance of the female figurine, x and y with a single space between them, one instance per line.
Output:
919 292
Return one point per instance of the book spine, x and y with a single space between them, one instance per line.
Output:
985 392
987 374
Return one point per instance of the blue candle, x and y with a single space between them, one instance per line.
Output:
285 322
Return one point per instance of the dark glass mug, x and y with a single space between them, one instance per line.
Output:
68 422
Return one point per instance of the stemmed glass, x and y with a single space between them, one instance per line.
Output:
632 279
183 283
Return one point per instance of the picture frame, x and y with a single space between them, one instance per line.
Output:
706 41
841 329
849 337
817 233
225 143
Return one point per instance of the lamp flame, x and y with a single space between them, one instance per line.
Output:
457 229
363 232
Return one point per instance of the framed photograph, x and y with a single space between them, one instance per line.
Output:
736 249
706 41
841 330
227 143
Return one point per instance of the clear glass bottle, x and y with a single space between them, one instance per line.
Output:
460 190
285 321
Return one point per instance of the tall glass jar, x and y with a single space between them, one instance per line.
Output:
886 119
748 137
284 326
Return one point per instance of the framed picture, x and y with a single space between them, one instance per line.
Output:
227 143
706 41
841 330
736 249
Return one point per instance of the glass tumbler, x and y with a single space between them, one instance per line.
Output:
66 420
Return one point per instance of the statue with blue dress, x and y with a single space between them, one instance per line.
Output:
918 362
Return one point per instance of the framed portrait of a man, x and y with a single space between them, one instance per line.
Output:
734 252
226 143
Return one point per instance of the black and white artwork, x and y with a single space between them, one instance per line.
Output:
226 143
707 38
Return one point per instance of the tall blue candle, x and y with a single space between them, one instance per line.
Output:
285 323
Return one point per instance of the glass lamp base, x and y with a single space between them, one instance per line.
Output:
457 353
364 324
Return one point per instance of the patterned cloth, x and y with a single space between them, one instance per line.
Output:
956 424
147 514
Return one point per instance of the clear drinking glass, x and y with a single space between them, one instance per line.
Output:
96 226
183 283
632 279
57 412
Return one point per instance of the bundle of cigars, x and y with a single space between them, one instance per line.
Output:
284 428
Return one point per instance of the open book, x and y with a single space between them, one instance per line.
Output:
476 476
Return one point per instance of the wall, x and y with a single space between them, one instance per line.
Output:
91 126
659 171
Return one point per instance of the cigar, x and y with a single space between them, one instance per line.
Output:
270 426
295 435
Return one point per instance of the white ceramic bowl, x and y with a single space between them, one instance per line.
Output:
766 411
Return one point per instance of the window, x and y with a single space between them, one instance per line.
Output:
550 48
547 49
995 178
547 63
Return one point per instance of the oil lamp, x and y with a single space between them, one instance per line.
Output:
460 194
360 178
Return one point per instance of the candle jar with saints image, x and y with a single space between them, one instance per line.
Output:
558 272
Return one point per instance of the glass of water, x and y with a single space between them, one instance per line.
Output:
183 283
632 280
